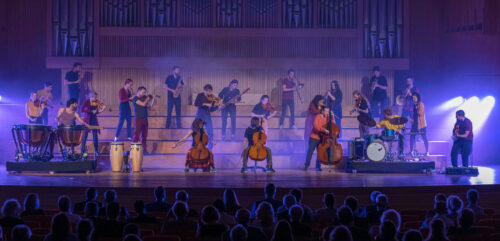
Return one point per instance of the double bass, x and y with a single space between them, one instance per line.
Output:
258 151
200 151
329 150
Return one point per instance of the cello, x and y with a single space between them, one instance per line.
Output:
200 151
258 151
329 150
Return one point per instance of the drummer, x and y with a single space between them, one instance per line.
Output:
34 109
67 115
386 124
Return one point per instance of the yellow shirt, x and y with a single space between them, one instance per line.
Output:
45 95
385 123
33 111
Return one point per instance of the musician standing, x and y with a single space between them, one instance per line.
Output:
90 109
174 83
206 104
34 109
141 103
264 111
462 131
45 95
315 139
408 98
287 98
254 127
72 80
379 100
418 122
333 99
227 94
125 113
361 106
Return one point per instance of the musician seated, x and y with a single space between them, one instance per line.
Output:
67 115
386 124
254 127
34 109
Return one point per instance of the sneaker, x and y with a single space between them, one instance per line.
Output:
212 170
186 170
318 169
281 127
116 139
294 127
270 169
243 170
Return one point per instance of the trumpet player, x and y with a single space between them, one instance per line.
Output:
90 108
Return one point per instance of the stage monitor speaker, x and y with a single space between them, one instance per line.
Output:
356 149
467 171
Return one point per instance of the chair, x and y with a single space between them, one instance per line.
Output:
162 238
146 232
37 237
412 224
32 224
490 222
40 231
489 212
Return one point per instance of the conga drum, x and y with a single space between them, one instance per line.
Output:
136 156
116 159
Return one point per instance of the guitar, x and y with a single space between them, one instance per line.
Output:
233 100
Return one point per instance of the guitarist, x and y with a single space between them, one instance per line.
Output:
255 127
174 84
227 94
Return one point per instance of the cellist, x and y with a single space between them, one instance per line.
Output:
197 128
255 127
315 139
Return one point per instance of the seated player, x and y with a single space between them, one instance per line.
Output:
386 124
254 127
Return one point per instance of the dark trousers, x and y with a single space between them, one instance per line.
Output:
338 121
209 128
269 157
291 106
378 106
73 92
464 147
424 138
45 116
363 130
141 129
231 111
313 145
125 115
95 140
170 105
38 120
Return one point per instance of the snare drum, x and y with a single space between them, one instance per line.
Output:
376 151
136 156
34 135
70 136
388 134
116 158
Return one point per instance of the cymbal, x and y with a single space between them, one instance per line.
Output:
367 121
398 121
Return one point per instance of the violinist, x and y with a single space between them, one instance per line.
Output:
125 113
385 123
290 85
318 129
197 128
34 109
90 109
264 111
333 98
45 95
255 127
207 102
227 94
141 103
361 106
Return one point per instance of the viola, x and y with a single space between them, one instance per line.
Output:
200 151
214 98
258 151
329 150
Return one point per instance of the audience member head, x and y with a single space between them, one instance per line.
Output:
60 227
131 237
289 200
393 216
110 196
325 235
11 208
209 214
296 212
181 195
373 196
160 194
113 211
440 207
297 193
351 202
91 194
31 202
265 213
466 218
139 207
238 233
439 197
219 204
329 200
472 196
437 230
131 228
242 216
282 232
382 201
270 190
64 204
388 230
341 233
85 230
91 209
20 232
454 204
412 235
180 210
345 215
230 199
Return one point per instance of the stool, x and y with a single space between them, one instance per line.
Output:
256 167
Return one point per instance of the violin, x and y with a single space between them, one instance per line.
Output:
258 151
200 151
329 150
269 107
214 98
143 98
97 103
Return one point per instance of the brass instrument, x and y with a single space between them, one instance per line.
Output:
401 99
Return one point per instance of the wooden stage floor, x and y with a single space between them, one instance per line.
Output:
284 178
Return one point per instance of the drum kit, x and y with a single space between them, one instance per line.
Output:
120 158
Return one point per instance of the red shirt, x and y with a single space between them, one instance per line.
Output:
318 126
124 95
463 126
288 95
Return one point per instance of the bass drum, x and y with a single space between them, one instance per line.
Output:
376 151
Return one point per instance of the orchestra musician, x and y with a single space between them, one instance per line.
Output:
73 79
173 85
264 111
407 95
361 106
141 103
90 108
290 85
197 128
227 94
45 95
386 124
66 116
379 100
207 102
255 127
313 110
418 122
333 98
462 133
315 138
125 113
34 109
